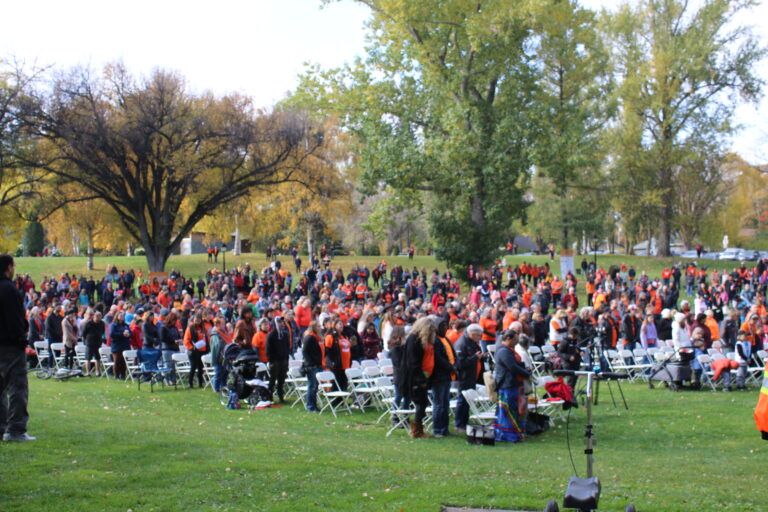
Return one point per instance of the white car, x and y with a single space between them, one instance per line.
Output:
732 253
689 254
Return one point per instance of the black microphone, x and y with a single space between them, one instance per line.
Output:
608 376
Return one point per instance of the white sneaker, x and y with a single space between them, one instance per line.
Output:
22 438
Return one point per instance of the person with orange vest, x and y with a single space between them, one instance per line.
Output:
761 411
196 343
442 376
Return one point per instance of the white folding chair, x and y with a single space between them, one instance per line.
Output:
58 354
296 385
41 349
105 356
369 362
208 371
131 362
80 355
326 383
400 416
707 374
484 416
384 361
181 362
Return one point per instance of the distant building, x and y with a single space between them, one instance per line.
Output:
195 244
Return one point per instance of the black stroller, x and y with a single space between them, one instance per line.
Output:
242 382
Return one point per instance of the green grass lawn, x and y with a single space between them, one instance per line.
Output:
102 445
197 265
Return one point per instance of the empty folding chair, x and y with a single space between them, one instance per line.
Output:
483 415
41 349
106 361
131 364
181 362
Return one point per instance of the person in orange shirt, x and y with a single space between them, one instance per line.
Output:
455 330
711 324
489 325
259 340
509 317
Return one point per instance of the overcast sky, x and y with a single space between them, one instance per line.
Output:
257 47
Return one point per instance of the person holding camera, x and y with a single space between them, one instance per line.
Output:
570 352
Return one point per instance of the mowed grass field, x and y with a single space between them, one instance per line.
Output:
105 446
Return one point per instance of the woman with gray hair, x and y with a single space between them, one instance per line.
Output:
469 365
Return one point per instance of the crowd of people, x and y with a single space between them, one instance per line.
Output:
436 334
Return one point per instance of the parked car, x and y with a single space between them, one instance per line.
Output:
689 254
749 255
732 253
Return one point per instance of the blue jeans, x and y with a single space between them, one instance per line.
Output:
219 377
312 388
169 364
441 398
462 412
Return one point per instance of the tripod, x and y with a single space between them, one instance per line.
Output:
600 366
584 493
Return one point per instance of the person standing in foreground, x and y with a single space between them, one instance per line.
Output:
14 387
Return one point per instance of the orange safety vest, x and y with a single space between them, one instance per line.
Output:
761 411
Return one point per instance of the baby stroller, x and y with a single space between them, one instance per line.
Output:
672 368
242 383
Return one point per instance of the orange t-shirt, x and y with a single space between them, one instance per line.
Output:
259 342
489 329
346 353
428 360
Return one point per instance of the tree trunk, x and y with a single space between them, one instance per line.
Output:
310 240
236 247
89 262
156 259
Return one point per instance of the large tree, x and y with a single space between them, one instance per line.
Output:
441 104
681 63
573 95
161 157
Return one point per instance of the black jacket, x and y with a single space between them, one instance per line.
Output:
13 321
310 349
278 345
467 353
443 367
93 333
53 328
168 336
397 354
508 370
414 355
151 336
